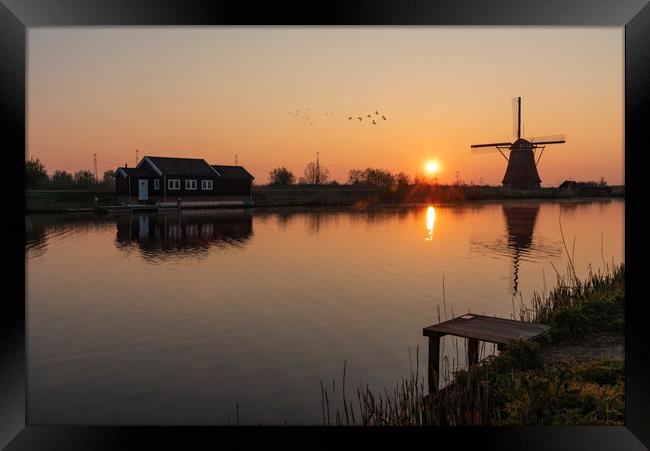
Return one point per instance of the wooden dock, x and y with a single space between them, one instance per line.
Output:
476 328
205 204
126 208
165 206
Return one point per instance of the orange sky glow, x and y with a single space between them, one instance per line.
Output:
217 92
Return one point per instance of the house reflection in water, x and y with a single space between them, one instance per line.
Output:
186 232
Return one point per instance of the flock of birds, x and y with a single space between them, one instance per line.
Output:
306 115
360 118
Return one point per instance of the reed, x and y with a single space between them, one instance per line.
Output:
571 291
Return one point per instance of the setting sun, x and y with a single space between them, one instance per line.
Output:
432 167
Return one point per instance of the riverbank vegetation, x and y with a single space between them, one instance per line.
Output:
83 189
524 385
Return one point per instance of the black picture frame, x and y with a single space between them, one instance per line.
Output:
18 15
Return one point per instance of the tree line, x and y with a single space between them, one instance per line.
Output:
315 174
36 176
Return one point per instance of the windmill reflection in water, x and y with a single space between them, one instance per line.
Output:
520 241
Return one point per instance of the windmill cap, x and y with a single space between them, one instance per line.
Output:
521 143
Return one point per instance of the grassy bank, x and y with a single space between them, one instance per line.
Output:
51 201
43 201
525 384
340 195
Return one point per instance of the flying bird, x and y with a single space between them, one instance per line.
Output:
360 118
373 122
376 112
350 118
368 115
384 117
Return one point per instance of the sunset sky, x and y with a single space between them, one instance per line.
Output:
214 92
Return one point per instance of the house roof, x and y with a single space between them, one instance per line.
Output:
574 184
567 183
134 172
179 166
232 171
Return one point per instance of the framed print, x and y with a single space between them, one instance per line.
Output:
282 220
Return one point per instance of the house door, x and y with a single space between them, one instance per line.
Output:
143 191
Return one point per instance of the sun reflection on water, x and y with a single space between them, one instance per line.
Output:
431 219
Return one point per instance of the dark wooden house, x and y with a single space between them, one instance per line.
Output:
233 180
571 187
167 181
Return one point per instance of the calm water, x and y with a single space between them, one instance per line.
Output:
175 318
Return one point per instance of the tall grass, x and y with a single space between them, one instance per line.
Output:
408 404
570 290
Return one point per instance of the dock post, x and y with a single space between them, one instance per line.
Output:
472 351
434 362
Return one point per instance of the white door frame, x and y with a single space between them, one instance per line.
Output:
143 189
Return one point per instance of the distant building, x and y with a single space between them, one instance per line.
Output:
583 188
167 180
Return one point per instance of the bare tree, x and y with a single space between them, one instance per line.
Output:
35 173
108 181
62 179
281 176
355 176
315 174
403 179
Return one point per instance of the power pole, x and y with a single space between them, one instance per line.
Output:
236 164
317 169
481 181
136 157
457 181
95 167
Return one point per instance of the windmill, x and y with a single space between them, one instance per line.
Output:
521 172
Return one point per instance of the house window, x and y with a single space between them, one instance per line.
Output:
206 184
190 184
156 184
174 184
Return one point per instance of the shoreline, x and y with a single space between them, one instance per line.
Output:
83 201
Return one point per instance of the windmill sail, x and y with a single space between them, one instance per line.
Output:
551 139
515 115
501 144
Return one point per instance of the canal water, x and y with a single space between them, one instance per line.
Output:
197 317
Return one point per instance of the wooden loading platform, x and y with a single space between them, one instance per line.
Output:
164 206
476 328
